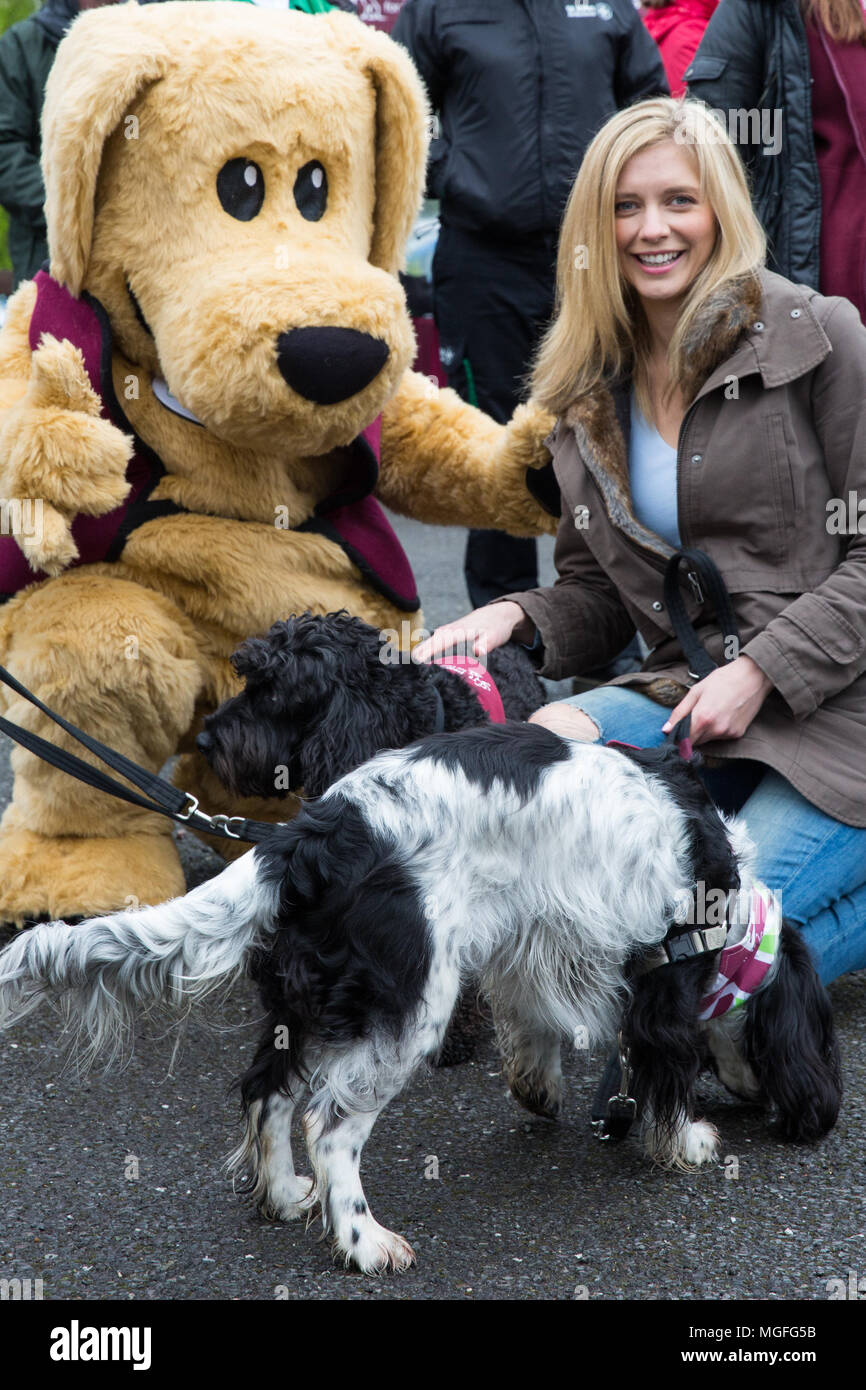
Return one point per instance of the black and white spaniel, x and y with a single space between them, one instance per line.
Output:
552 869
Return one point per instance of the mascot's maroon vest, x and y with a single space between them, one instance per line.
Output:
353 519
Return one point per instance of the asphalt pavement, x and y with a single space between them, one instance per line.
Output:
112 1186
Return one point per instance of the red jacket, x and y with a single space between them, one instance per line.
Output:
678 28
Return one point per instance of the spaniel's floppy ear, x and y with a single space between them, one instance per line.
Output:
105 61
791 1044
352 731
660 1027
402 122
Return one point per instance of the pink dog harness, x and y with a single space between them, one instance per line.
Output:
481 681
743 968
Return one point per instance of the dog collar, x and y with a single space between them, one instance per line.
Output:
481 681
683 943
742 966
160 389
742 970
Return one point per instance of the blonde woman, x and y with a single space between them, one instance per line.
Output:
703 401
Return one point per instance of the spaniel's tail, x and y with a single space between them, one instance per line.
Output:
101 972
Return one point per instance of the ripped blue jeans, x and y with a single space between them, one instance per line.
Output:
816 864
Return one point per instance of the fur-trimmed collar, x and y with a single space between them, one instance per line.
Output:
597 419
717 328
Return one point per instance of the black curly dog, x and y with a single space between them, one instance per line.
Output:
319 701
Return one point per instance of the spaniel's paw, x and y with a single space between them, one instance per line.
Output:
539 1095
373 1250
289 1199
693 1144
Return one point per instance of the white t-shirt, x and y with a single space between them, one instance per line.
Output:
652 468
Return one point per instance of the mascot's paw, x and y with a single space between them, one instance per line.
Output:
46 541
526 432
522 448
58 451
446 462
62 877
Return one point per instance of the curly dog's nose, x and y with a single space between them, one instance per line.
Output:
327 365
204 742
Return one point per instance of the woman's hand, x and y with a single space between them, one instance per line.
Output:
724 703
479 632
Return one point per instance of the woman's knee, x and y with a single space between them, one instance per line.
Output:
566 721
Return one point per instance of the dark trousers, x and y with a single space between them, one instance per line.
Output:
492 302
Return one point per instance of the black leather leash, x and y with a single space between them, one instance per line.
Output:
159 795
613 1109
707 585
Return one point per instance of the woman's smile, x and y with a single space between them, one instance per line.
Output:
658 262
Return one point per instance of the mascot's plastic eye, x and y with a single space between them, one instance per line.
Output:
311 191
241 189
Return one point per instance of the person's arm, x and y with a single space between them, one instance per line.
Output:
416 30
580 620
640 71
21 188
817 645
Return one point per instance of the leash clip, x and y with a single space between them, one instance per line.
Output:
220 824
223 823
621 1108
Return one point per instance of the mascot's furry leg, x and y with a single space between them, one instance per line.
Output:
121 662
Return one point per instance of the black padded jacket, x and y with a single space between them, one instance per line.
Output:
754 58
521 87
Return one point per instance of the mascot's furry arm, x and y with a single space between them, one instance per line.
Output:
445 462
53 443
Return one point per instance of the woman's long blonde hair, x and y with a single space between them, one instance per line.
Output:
843 19
599 328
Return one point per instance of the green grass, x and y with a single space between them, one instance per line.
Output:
11 11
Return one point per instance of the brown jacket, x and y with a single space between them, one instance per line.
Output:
776 428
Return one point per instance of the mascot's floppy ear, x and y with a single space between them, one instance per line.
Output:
107 58
402 121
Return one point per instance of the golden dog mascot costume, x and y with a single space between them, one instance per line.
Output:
201 399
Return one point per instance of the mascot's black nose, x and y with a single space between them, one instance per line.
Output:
204 742
327 365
